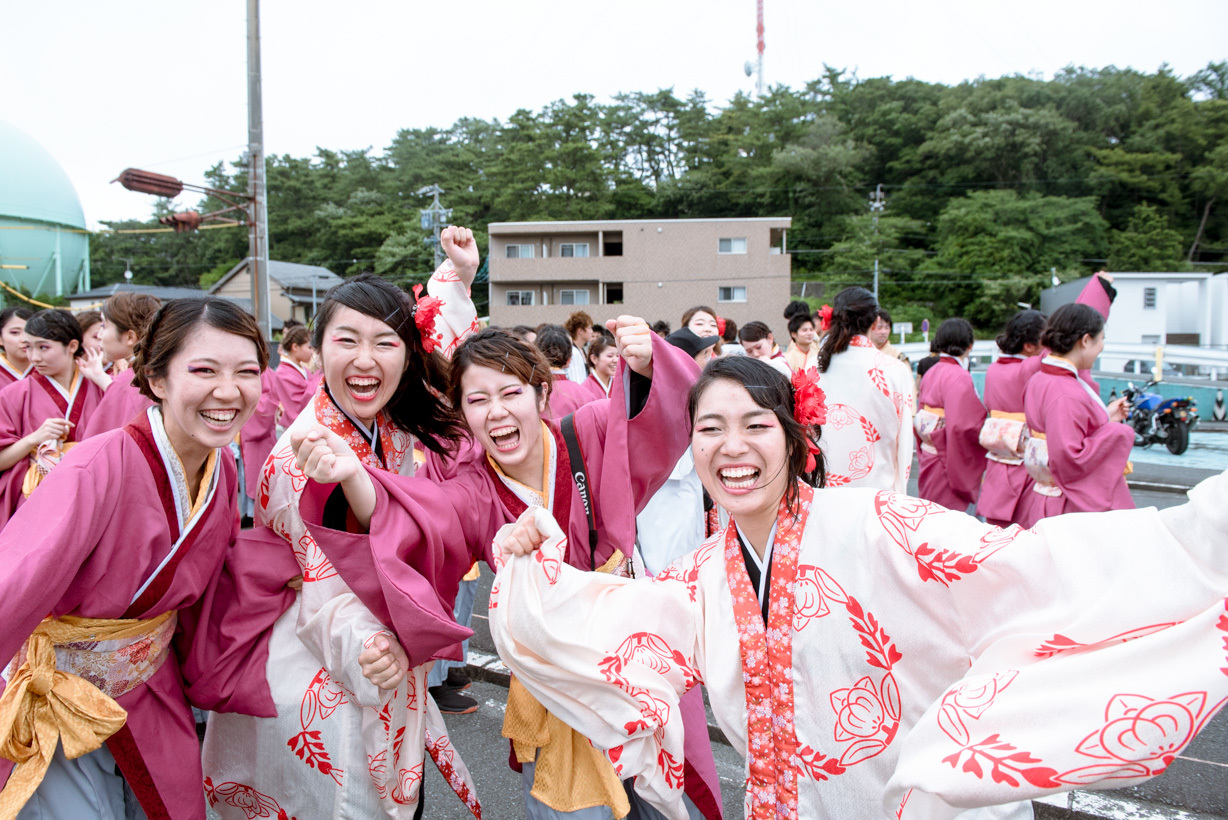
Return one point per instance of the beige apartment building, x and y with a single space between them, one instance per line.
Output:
654 268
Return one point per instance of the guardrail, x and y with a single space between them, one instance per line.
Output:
1209 357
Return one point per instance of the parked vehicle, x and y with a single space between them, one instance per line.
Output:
1157 420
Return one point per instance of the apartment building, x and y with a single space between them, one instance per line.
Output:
654 268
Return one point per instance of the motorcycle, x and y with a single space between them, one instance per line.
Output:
1157 420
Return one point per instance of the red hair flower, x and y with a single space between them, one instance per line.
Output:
720 325
809 406
825 318
426 309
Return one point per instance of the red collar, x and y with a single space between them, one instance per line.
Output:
1054 370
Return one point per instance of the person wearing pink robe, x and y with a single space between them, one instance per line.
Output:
120 404
952 461
258 436
1005 484
566 396
425 535
294 388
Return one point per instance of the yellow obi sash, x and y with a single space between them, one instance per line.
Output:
569 773
67 676
1003 436
42 460
927 421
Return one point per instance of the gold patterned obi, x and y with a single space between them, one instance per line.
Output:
1004 435
42 460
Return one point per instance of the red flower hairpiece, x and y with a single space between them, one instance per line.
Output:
426 309
720 325
809 407
825 318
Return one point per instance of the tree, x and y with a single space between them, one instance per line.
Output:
1147 244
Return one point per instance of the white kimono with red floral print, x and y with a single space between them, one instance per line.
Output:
867 440
340 746
914 661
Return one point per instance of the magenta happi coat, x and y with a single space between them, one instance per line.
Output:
867 440
24 406
425 534
120 404
125 547
1006 481
951 475
566 396
913 659
1087 452
294 388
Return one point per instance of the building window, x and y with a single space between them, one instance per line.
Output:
578 250
520 297
731 294
1149 298
613 293
519 251
573 297
734 245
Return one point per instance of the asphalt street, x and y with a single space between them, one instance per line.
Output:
1194 788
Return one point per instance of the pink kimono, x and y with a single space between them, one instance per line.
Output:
122 549
9 374
1006 481
951 474
425 535
258 436
24 406
120 404
595 388
1087 452
294 388
566 396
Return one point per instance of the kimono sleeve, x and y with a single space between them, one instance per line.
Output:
422 540
903 396
964 418
1096 642
457 316
1081 446
608 656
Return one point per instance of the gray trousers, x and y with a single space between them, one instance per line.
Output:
463 613
640 809
83 789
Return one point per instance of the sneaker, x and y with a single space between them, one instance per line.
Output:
451 702
457 679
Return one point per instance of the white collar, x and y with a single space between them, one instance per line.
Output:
1054 361
176 472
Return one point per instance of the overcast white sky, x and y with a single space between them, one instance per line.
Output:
162 85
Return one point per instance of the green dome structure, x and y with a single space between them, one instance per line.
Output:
43 246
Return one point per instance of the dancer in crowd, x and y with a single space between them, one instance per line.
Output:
868 441
603 363
579 326
295 384
703 321
124 546
42 416
91 331
1079 450
872 655
803 348
339 740
125 318
1006 480
759 343
624 447
566 396
729 344
880 335
948 423
14 365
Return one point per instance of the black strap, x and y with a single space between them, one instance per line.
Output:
580 476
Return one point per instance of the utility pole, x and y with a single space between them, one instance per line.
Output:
759 44
435 217
877 205
258 234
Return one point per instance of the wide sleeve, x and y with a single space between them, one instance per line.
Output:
608 656
422 540
1096 644
965 415
1098 294
12 413
457 316
903 398
1080 446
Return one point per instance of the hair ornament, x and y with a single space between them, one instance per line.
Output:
825 318
720 325
809 408
424 311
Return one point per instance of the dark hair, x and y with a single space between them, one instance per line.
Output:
731 331
521 331
8 313
853 312
414 406
753 332
578 321
130 311
770 389
690 314
87 319
954 337
661 327
796 308
173 324
498 349
797 320
289 323
1021 329
555 345
1068 325
882 313
598 347
294 335
58 326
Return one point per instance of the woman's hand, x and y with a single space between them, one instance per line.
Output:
49 430
462 249
1118 409
93 368
634 338
324 456
119 366
524 538
384 663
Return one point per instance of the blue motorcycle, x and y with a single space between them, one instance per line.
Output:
1157 420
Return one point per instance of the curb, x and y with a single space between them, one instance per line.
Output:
1158 487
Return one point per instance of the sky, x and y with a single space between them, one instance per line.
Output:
163 86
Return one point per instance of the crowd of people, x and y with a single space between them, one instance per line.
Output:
663 509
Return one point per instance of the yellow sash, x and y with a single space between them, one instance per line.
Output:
1129 464
43 704
1002 414
44 457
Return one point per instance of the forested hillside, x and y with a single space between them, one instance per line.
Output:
989 185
